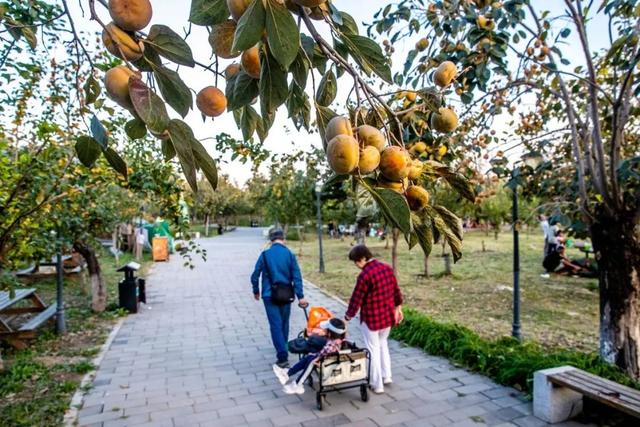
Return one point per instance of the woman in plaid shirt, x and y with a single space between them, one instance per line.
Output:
378 298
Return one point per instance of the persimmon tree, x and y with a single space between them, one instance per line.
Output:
285 61
577 105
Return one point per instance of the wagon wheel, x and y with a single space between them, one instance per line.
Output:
364 393
319 401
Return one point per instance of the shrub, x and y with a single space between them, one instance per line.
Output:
506 360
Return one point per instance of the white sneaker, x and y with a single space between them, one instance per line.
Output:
387 381
378 390
281 374
293 388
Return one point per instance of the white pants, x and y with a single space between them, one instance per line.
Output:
378 345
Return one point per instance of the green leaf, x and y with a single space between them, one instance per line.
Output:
135 129
249 122
148 106
393 206
300 69
453 222
333 180
174 90
205 163
99 132
368 55
299 107
250 27
170 45
443 227
283 35
88 150
208 12
168 151
455 179
349 24
245 90
273 85
31 37
91 90
327 89
183 140
116 162
423 229
149 59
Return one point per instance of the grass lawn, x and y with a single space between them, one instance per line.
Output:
558 312
37 384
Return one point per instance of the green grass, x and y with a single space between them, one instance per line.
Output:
506 360
559 312
37 384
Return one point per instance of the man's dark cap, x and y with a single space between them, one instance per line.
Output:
276 234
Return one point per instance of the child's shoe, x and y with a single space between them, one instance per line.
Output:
281 374
293 388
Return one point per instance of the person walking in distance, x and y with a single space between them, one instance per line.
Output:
281 275
378 298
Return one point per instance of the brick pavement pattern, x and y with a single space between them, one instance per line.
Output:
200 355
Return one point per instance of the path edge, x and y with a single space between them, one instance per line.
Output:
71 415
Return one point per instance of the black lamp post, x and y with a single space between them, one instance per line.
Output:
515 327
319 225
60 318
531 161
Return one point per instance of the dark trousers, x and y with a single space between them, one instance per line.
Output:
278 316
302 366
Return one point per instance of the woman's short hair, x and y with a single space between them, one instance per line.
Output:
359 252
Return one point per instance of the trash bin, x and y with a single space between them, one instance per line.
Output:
128 288
142 291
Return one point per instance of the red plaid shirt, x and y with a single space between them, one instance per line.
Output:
376 295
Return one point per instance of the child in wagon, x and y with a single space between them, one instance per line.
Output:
336 331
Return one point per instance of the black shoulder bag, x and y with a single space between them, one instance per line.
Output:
281 293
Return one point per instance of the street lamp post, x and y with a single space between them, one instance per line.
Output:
515 329
532 161
319 225
60 320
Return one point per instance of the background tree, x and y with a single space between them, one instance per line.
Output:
584 118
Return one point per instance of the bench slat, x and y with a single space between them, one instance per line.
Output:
629 393
38 320
574 381
6 301
597 392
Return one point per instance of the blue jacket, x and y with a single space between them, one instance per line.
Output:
283 267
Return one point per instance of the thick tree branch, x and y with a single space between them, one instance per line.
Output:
593 106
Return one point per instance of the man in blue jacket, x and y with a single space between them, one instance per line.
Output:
283 268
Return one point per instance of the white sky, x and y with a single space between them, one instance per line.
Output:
175 14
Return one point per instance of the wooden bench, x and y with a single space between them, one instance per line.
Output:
558 394
18 335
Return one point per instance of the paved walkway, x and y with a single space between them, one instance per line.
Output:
201 355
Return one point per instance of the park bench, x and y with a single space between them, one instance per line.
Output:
18 334
558 394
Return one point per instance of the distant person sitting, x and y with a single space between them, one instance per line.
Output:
558 262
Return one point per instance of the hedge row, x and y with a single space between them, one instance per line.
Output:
505 360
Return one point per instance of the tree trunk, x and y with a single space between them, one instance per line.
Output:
426 267
484 248
206 226
617 249
496 231
300 238
98 287
386 238
394 250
